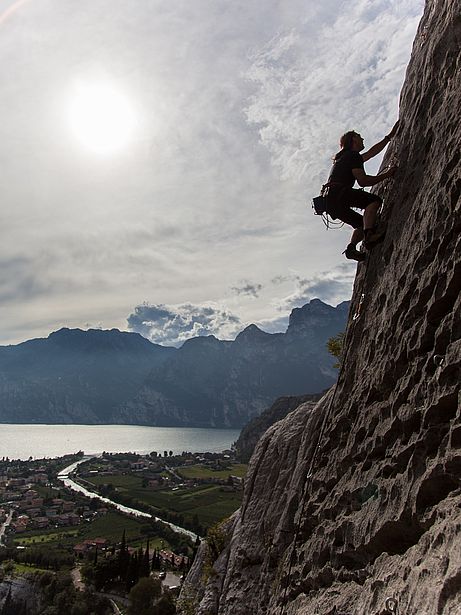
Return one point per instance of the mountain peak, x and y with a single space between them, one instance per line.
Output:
316 314
252 333
201 341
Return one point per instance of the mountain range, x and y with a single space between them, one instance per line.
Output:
109 376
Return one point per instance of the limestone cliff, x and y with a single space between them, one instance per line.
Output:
252 432
359 499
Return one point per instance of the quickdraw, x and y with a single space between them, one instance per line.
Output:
392 606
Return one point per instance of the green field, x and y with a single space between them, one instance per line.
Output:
110 526
209 502
29 538
25 568
201 471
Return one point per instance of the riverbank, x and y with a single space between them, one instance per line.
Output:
72 484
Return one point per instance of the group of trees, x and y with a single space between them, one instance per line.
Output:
146 598
133 571
44 558
38 556
181 520
122 567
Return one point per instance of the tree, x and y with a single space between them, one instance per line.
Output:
165 606
143 595
144 569
155 565
123 558
132 574
335 347
106 571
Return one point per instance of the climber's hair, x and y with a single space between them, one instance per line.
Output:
345 143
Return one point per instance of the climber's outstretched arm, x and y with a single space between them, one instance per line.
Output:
378 147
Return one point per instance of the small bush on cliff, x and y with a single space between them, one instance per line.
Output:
335 346
217 539
188 601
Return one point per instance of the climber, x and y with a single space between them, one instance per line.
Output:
340 196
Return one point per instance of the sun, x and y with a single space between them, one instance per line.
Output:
101 117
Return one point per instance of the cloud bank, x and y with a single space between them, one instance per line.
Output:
330 286
173 325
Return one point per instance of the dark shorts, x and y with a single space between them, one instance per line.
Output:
341 200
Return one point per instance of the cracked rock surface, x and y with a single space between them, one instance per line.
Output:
358 499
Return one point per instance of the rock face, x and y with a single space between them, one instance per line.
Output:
252 432
359 499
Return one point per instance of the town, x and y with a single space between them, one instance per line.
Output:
46 523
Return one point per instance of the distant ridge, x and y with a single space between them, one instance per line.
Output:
74 376
109 376
213 383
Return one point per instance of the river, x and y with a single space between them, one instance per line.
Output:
71 484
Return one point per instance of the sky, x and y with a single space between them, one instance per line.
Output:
158 157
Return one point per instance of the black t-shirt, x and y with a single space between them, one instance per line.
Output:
342 168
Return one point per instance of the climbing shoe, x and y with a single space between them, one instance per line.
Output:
373 237
353 254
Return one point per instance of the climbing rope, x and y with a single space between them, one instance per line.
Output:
317 446
330 224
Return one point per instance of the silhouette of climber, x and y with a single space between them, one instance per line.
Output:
340 196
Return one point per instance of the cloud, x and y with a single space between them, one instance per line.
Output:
329 286
278 324
172 325
248 288
325 76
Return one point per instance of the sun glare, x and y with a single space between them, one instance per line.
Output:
101 118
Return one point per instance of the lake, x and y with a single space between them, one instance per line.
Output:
22 441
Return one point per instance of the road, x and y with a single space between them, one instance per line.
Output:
117 611
76 575
171 580
4 526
